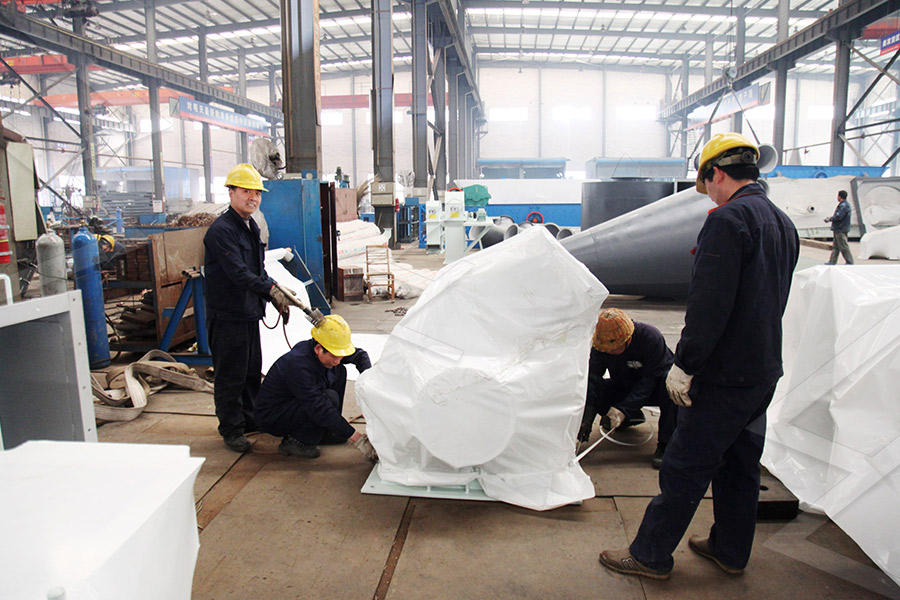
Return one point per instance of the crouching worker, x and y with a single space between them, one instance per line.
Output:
637 359
302 395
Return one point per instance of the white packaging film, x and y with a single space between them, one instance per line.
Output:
485 377
833 433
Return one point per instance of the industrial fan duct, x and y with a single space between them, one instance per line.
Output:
646 252
603 201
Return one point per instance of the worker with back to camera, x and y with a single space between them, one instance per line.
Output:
840 227
637 359
237 289
727 363
302 396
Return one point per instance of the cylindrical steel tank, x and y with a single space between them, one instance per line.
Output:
86 256
51 259
605 200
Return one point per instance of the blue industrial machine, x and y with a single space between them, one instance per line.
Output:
86 256
294 215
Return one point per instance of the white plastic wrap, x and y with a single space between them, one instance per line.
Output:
884 243
833 425
485 377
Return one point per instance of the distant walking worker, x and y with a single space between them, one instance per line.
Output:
840 226
726 365
237 288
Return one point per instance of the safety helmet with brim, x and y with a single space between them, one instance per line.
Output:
333 334
722 150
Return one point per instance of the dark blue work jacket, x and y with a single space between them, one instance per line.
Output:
743 265
236 284
840 220
299 377
640 369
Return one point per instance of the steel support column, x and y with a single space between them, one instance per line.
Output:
453 72
242 91
273 98
419 108
159 187
465 135
708 79
841 87
301 94
382 106
740 44
685 90
439 100
781 77
86 121
206 141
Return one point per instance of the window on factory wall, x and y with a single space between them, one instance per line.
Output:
571 113
146 126
398 117
820 112
636 112
511 113
332 118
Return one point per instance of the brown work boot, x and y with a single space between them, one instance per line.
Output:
701 547
622 561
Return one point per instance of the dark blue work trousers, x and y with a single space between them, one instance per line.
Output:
295 419
718 439
237 361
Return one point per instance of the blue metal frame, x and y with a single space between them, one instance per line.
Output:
192 287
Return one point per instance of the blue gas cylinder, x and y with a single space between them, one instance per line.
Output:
86 256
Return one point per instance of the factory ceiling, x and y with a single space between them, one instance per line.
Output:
650 34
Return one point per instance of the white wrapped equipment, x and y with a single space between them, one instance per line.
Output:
485 377
833 427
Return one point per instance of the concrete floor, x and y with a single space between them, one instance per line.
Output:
275 527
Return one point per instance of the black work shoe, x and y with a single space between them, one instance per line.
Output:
291 447
622 561
656 461
238 443
701 546
329 439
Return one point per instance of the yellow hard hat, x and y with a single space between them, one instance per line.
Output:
108 239
244 176
714 155
334 335
614 328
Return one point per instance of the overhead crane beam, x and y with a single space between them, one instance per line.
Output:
32 31
855 14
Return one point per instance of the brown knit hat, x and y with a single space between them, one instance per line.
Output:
614 328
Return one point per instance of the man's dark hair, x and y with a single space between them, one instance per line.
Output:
736 172
842 194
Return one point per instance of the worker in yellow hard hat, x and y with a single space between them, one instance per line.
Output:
303 394
109 250
237 289
637 360
727 363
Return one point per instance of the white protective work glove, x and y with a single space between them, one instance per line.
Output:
366 448
678 384
616 417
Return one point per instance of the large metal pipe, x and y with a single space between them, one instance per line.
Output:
497 232
602 201
645 252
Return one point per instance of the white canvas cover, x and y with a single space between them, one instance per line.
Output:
485 377
884 243
834 424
